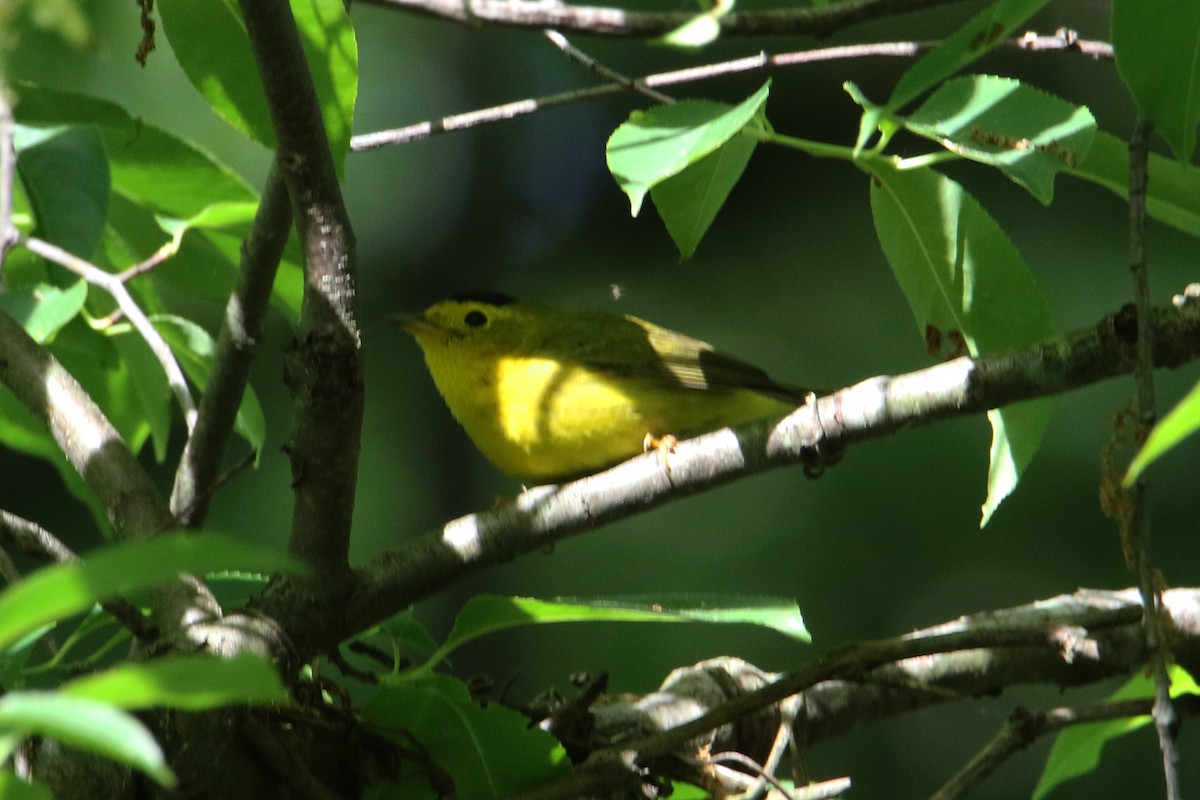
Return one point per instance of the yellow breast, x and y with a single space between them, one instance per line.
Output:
542 420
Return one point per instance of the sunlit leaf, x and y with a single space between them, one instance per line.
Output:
964 278
654 144
1180 422
86 724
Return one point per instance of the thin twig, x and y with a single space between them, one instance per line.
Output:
160 255
607 73
1157 639
759 61
114 286
1022 729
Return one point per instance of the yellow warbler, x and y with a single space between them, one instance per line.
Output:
549 394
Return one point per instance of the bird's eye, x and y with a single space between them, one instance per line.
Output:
475 319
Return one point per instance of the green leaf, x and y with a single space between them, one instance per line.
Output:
231 83
1174 191
488 751
148 381
1077 749
209 196
689 202
62 590
64 172
1157 43
972 40
13 788
963 277
332 53
1180 422
193 682
484 614
1028 134
196 351
86 724
654 144
43 309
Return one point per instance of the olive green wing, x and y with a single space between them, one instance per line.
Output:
628 347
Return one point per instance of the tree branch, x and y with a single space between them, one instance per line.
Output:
720 704
35 540
324 365
1022 729
1062 40
816 21
83 433
241 329
874 408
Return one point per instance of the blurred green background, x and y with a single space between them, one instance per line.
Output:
790 277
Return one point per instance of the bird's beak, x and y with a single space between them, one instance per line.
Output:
411 324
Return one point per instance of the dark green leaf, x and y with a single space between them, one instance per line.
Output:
148 381
64 172
689 202
488 751
1156 42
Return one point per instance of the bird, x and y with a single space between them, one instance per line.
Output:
549 394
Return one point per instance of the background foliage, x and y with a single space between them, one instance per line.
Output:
791 275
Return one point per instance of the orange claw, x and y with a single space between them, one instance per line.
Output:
665 445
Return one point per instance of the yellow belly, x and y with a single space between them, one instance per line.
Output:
543 421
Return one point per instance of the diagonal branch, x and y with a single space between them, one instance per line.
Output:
874 408
83 433
1062 40
241 330
1066 640
324 366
